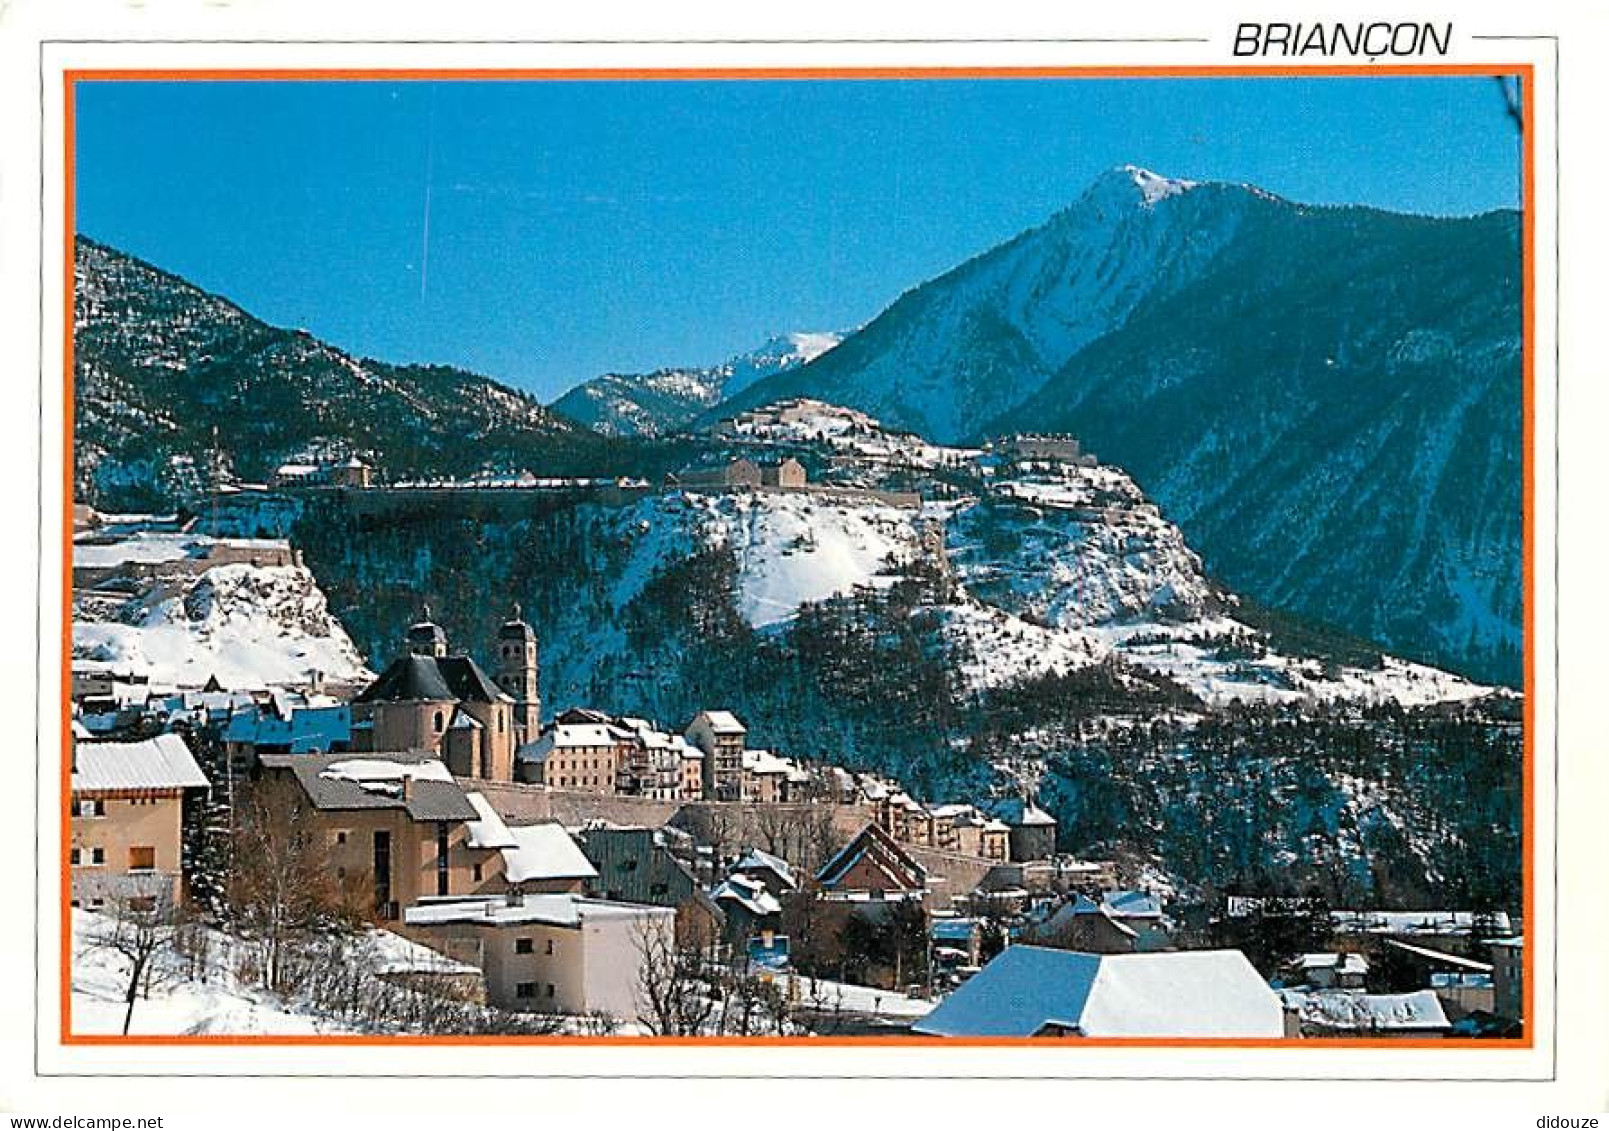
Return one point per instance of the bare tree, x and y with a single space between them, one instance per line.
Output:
283 885
674 988
142 927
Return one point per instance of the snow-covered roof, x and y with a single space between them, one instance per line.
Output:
954 929
383 772
1417 922
571 736
559 909
163 762
145 547
765 762
747 893
760 859
1188 993
1442 956
545 852
1360 1012
722 722
1034 815
488 829
1341 963
1133 904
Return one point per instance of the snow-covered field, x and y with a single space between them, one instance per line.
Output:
216 1002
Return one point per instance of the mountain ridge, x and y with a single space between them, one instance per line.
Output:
1134 318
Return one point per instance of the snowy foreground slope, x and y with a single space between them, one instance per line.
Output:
248 625
209 999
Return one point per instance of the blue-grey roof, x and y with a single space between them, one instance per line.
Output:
1186 993
308 730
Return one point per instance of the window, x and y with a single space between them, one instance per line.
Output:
525 990
550 989
522 946
76 855
550 951
658 889
97 856
441 857
440 723
141 858
340 836
476 871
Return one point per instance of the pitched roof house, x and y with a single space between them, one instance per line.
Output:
127 818
872 866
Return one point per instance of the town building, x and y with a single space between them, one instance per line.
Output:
769 779
749 909
397 825
400 827
1118 922
581 750
775 873
519 675
1352 1013
721 737
655 866
786 473
550 953
871 869
127 818
1333 971
1031 991
1050 447
351 473
740 472
1032 831
444 704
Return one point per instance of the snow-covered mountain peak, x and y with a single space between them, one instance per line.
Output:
1126 185
1154 187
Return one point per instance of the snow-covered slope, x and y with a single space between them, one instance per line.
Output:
177 1003
1052 567
250 626
652 404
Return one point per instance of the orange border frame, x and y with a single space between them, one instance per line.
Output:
1527 75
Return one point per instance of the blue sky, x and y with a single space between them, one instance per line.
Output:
576 228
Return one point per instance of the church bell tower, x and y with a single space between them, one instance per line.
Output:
518 674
